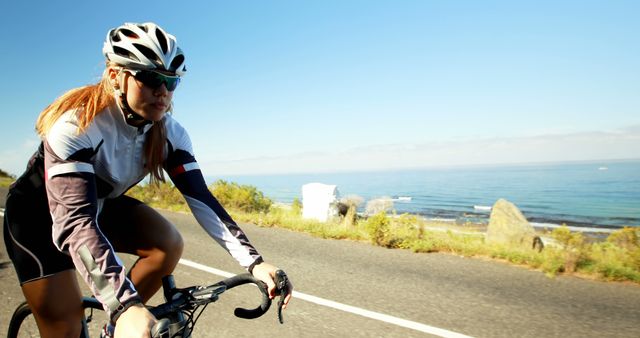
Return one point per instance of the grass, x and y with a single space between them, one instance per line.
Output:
615 259
6 179
5 182
292 220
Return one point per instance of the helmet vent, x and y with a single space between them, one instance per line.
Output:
114 36
143 28
149 54
129 33
125 53
162 39
177 61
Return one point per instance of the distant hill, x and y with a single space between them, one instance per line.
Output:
5 174
5 181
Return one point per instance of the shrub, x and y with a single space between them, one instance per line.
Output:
619 256
296 207
574 248
553 261
614 263
352 200
161 195
348 210
628 238
378 205
241 197
350 218
378 228
566 238
427 244
407 228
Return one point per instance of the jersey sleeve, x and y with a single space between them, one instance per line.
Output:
187 177
73 204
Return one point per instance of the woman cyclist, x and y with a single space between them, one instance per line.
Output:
97 142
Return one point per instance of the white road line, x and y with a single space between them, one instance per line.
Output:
343 307
339 306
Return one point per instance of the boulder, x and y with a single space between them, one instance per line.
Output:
508 226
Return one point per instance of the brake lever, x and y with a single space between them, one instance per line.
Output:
281 281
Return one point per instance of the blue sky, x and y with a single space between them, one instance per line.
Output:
321 86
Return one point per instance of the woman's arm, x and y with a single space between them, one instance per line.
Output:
73 204
186 175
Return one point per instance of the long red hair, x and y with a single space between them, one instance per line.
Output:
90 101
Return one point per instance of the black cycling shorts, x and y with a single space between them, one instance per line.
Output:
28 237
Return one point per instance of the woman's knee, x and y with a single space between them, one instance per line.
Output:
178 244
140 230
173 245
167 251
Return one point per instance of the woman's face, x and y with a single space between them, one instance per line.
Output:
149 103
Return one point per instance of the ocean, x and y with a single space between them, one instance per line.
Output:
601 195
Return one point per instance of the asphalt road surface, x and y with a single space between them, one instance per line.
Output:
407 294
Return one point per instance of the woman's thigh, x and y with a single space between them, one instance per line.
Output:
56 302
27 237
133 227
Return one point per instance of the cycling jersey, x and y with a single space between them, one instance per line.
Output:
81 170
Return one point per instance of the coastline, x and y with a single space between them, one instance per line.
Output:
475 227
580 195
480 221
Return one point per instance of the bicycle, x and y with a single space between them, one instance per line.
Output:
179 313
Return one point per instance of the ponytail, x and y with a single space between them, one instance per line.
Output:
89 101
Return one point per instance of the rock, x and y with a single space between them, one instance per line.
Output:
508 226
343 208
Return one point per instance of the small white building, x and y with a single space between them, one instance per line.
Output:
319 201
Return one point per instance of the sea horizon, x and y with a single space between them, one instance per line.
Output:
595 193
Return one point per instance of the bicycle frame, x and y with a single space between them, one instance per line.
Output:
178 310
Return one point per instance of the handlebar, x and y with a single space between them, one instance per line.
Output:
178 299
246 278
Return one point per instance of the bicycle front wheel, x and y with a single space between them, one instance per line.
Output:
23 324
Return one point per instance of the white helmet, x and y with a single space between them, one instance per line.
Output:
144 46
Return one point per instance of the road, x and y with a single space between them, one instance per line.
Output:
472 297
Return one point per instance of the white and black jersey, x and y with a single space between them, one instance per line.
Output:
83 170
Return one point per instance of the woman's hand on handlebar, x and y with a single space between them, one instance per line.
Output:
267 273
135 322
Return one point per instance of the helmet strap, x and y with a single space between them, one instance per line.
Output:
129 114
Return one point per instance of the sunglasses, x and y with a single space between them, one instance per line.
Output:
154 80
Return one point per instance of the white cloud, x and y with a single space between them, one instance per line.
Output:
597 145
621 143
